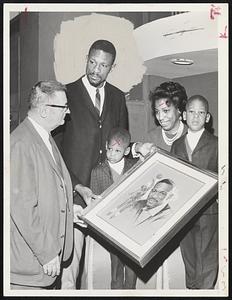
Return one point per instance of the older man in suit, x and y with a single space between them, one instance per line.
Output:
95 108
41 201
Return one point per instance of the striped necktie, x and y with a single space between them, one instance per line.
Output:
98 101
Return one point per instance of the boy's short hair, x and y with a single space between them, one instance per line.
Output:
120 135
200 98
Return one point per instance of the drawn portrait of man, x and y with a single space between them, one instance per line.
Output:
145 210
149 203
156 205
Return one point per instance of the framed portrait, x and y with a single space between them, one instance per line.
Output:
150 204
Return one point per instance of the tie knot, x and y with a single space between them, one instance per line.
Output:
97 93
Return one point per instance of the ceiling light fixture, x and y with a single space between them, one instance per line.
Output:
182 61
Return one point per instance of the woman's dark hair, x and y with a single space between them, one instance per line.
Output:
173 92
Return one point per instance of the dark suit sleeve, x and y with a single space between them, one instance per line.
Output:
173 149
123 121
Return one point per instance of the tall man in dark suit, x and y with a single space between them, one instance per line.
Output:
95 108
41 200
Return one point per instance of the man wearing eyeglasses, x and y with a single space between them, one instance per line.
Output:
41 199
96 107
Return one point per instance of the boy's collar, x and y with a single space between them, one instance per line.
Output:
118 164
196 132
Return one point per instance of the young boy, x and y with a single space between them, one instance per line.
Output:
199 247
104 175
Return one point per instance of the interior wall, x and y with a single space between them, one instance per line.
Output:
28 65
49 26
14 74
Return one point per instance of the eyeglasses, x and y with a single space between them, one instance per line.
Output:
59 106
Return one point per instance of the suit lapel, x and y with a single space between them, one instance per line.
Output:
106 102
106 169
183 148
64 177
202 141
87 100
43 148
127 166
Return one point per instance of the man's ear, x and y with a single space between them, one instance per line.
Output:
43 111
184 115
207 118
112 67
127 151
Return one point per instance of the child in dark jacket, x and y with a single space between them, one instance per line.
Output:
103 176
199 247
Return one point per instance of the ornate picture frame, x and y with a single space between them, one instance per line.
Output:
126 216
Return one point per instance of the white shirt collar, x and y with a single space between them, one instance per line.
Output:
194 137
44 134
118 167
89 86
92 91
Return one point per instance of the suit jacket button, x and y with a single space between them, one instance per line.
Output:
62 236
61 185
62 210
100 151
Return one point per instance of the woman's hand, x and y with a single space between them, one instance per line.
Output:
145 148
